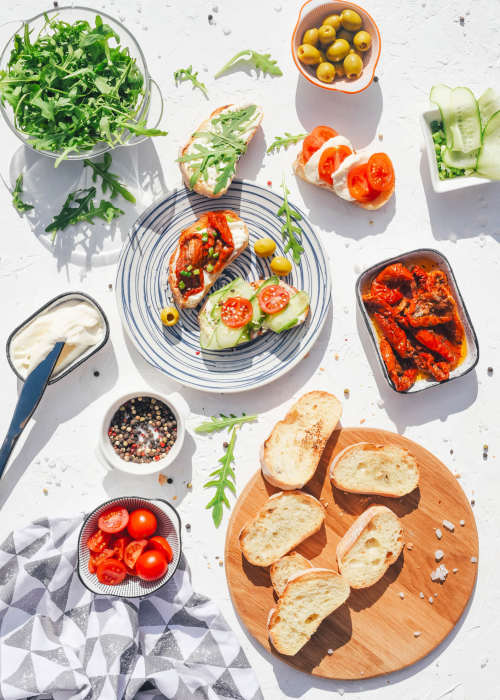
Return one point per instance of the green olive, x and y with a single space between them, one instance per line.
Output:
311 37
353 66
325 72
350 20
281 266
308 54
362 41
326 35
339 70
348 36
333 21
338 50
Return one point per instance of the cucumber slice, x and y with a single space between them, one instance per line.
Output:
226 337
466 123
488 104
289 317
488 163
457 159
441 96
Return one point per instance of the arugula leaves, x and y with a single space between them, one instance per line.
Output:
16 196
285 141
289 229
109 181
225 479
260 61
223 422
184 74
85 210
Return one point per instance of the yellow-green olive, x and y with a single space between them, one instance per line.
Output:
264 247
353 66
339 70
311 37
326 35
308 54
362 41
325 72
333 21
169 316
348 36
338 50
281 266
350 20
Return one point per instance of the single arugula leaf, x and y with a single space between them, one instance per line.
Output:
109 181
222 422
285 141
260 61
224 479
289 230
85 210
16 196
184 74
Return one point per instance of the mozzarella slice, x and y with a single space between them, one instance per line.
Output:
340 175
311 167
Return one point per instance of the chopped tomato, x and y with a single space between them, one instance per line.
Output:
113 520
359 185
161 545
98 541
273 298
151 565
380 172
111 572
142 523
315 140
133 551
92 566
236 312
119 546
330 160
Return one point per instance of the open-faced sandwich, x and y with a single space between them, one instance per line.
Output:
240 311
203 251
330 161
208 160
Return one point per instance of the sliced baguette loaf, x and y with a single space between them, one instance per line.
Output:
385 470
308 598
287 567
372 543
283 522
291 454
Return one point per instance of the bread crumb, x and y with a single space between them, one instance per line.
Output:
189 485
363 420
417 634
162 479
380 137
438 554
439 534
421 594
337 356
462 523
45 492
448 525
473 560
221 563
458 476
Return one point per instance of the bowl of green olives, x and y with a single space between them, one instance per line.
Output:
336 45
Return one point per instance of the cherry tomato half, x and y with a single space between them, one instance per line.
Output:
236 312
119 546
161 545
111 572
380 172
113 520
330 160
273 298
151 565
358 184
315 140
133 551
142 523
98 541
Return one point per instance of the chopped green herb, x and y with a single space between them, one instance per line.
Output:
222 422
210 267
289 230
260 61
204 237
224 479
189 268
16 196
109 181
196 272
182 285
285 141
85 210
184 74
211 250
215 255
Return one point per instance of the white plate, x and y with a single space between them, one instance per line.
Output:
142 291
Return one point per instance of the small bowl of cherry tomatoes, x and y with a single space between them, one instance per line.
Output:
129 547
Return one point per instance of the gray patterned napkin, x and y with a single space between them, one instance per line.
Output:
59 641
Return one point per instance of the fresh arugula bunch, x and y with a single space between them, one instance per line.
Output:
183 74
16 196
70 89
260 61
290 230
84 210
225 479
220 423
109 181
285 141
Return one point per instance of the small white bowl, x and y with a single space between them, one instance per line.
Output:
452 183
108 456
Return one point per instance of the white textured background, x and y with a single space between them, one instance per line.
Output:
422 43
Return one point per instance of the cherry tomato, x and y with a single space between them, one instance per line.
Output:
151 565
315 140
114 520
380 172
161 545
142 523
107 553
358 184
133 551
98 541
236 312
111 572
119 546
330 160
273 298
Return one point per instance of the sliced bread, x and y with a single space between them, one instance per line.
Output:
308 598
291 454
372 543
386 470
283 522
287 567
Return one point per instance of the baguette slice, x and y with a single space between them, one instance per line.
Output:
385 470
291 454
308 598
283 522
201 186
372 543
285 568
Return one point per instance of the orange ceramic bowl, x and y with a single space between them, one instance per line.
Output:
312 14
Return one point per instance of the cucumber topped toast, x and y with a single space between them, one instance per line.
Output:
240 311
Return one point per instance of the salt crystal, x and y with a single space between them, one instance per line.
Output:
439 534
438 554
439 574
417 634
401 595
431 600
462 523
449 526
473 560
421 594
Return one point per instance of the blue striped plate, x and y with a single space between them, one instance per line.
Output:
142 291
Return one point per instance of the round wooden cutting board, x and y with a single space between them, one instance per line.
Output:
373 633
